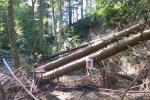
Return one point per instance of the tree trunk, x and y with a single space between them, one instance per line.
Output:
12 34
98 56
60 24
32 23
90 6
91 48
41 26
54 25
81 9
87 5
70 13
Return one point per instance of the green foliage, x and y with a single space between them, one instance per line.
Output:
115 11
28 67
128 55
48 49
81 26
3 25
108 12
22 20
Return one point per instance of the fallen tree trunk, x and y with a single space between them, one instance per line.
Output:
49 57
98 56
92 48
128 77
53 56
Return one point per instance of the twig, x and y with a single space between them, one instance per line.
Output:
32 85
82 93
139 91
3 96
17 94
112 90
19 81
134 81
135 86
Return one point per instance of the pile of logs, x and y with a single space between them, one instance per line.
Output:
97 50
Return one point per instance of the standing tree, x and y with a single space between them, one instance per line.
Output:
12 34
81 3
32 7
70 12
54 24
60 24
41 25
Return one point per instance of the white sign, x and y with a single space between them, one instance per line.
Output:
89 65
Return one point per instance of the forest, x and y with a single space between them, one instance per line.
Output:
74 49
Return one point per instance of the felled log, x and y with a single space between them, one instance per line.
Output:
98 56
128 77
50 57
92 48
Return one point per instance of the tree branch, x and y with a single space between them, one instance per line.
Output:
122 98
19 81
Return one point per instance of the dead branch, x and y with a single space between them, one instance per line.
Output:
128 88
2 93
128 77
112 90
32 96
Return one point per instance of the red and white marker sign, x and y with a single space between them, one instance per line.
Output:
89 65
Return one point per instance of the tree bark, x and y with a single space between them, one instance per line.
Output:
32 22
81 9
91 48
70 13
60 25
54 25
41 26
12 34
98 56
45 58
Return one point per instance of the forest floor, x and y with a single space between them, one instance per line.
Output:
78 85
72 87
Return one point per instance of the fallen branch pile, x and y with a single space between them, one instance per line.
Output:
23 86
